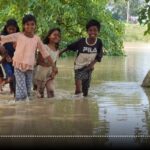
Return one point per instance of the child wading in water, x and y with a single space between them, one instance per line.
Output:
43 72
24 57
89 51
10 27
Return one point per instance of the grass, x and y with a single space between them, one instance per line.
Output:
135 33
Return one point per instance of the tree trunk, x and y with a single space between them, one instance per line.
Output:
128 11
146 81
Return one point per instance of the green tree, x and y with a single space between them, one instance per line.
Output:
144 16
71 16
119 8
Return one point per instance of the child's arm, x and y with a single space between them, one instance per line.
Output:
4 54
73 46
63 51
8 38
2 50
53 74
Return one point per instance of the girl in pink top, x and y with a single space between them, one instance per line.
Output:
24 57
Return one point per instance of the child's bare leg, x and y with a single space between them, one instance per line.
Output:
40 89
86 84
50 86
85 87
34 87
11 87
34 80
78 84
10 80
2 83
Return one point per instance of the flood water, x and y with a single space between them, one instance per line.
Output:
117 104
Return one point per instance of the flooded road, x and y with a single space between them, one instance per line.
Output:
117 105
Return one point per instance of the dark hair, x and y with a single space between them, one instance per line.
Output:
10 22
27 18
46 39
93 22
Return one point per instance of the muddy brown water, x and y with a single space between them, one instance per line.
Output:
117 104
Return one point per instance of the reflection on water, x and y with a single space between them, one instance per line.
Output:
117 104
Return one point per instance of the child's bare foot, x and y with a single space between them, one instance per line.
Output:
50 94
39 95
34 87
79 95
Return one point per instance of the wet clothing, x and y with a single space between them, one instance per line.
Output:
43 73
86 54
24 56
84 74
7 66
9 69
9 49
23 84
24 59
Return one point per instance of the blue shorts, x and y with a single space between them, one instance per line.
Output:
9 69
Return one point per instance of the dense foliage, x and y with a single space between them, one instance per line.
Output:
71 16
144 16
119 8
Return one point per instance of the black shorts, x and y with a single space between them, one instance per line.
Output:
83 74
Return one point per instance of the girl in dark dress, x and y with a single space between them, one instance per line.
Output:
10 27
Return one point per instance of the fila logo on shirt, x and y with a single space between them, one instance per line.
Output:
89 49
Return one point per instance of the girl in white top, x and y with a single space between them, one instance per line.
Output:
43 71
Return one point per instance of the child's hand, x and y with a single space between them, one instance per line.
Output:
14 45
61 52
52 76
54 70
90 67
2 50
